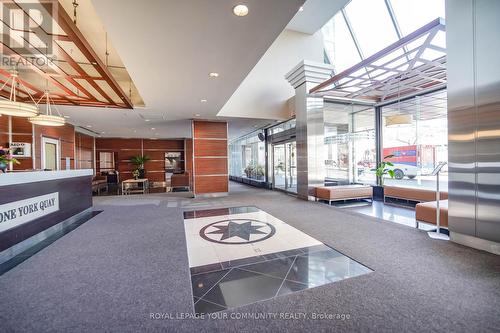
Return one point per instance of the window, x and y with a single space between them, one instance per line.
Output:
363 142
247 157
413 14
371 24
339 45
415 132
350 143
282 127
106 161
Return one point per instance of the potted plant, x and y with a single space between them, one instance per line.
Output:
382 170
139 162
259 172
6 158
249 170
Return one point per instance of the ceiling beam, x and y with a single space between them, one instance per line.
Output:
69 27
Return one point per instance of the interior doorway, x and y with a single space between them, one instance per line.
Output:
50 154
285 166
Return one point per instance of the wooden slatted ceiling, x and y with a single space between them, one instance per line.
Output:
70 81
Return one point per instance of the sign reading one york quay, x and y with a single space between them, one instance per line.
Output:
15 213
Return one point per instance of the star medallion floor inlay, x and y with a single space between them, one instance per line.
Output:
242 255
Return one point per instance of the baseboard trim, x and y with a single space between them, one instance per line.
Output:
475 242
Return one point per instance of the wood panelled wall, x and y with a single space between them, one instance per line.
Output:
24 131
210 157
125 149
84 151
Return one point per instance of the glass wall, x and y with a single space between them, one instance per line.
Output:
247 157
364 27
349 143
415 132
286 125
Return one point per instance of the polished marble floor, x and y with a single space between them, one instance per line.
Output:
242 255
388 212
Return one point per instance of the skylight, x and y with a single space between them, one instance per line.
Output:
364 27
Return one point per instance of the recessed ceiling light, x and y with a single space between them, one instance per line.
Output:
103 132
89 126
94 63
146 119
152 128
213 74
203 100
67 117
135 131
240 10
301 8
197 115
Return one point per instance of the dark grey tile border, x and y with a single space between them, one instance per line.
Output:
191 214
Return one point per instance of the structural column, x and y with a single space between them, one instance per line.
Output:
210 165
473 61
309 125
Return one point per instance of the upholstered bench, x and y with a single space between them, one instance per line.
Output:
412 194
426 212
343 192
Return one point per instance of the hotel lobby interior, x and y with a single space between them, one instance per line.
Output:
256 165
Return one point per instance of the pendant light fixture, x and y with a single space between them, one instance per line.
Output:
399 118
48 119
11 107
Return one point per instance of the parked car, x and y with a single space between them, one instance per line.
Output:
402 170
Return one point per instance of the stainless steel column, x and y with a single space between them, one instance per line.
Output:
473 51
487 45
309 125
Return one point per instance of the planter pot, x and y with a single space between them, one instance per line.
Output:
142 173
378 193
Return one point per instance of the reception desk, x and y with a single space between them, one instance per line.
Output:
35 205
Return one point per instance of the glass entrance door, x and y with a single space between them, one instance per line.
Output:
291 166
285 166
279 177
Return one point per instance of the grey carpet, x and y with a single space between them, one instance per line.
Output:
129 261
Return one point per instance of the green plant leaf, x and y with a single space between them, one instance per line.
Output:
389 164
391 173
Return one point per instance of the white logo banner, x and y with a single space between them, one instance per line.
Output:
16 213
